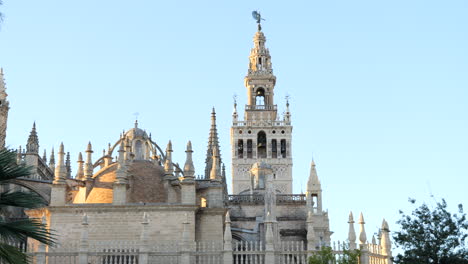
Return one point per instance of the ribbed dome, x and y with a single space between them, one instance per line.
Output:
145 181
136 132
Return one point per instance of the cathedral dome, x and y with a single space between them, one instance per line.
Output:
145 181
136 132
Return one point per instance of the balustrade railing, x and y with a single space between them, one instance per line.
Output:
261 107
259 199
262 122
246 198
290 198
201 252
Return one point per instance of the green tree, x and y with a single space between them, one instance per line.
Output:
432 235
323 256
326 256
13 231
1 14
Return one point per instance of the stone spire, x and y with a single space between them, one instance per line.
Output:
314 189
313 183
168 166
215 170
362 230
88 167
189 169
4 107
385 239
68 165
52 160
351 232
44 157
33 141
60 170
80 171
213 142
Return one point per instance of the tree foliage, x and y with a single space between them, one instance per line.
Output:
432 235
1 14
326 256
14 231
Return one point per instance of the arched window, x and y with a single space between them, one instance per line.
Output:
249 148
240 149
274 148
283 148
139 155
261 145
260 96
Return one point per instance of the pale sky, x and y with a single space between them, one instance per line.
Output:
378 89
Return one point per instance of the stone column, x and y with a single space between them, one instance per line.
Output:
363 241
185 245
310 234
143 251
84 244
227 252
59 185
41 249
269 242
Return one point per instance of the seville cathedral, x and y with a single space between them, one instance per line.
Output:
135 204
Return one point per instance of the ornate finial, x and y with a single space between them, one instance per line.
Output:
89 148
287 99
136 114
256 15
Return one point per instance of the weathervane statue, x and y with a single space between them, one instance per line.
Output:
256 15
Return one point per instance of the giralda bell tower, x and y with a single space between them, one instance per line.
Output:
263 136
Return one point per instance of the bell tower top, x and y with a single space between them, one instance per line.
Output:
260 81
261 137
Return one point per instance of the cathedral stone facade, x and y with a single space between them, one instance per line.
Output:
143 207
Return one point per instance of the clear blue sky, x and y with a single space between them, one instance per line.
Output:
378 89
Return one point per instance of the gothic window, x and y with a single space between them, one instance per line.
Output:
240 149
138 150
283 148
261 145
249 148
260 96
274 148
314 201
